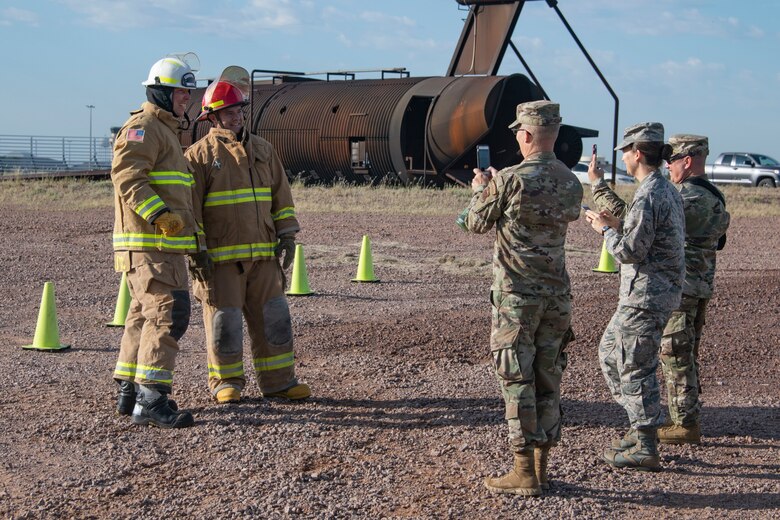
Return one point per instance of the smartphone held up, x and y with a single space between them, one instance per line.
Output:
483 158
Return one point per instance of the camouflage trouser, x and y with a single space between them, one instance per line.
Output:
527 341
628 354
679 359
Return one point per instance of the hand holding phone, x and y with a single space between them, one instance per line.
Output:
483 158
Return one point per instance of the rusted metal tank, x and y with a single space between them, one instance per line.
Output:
407 128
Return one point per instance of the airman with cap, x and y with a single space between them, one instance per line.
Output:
706 221
647 239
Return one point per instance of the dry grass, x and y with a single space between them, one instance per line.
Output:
342 198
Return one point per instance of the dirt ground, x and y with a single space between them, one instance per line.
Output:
406 419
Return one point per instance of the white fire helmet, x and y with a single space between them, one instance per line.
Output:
175 70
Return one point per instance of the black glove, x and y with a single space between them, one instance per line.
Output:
286 246
201 266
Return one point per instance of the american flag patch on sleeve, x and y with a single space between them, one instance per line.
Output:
133 134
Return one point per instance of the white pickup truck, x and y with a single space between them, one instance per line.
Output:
747 169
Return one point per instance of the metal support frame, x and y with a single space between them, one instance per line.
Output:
528 70
554 5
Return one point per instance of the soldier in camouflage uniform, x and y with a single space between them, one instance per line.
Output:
647 238
706 221
531 205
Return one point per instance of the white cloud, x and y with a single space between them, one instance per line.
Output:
13 15
202 17
384 18
691 65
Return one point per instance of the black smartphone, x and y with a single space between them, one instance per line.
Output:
483 157
595 150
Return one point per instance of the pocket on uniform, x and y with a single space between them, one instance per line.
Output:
675 324
122 262
162 273
503 346
632 388
562 360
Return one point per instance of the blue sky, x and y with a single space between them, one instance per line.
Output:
700 66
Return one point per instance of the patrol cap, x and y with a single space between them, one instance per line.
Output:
688 144
642 133
537 113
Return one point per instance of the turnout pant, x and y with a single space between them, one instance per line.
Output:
158 317
680 359
255 291
628 354
528 337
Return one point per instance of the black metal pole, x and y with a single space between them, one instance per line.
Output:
528 70
554 5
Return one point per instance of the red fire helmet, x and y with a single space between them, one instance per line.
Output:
219 95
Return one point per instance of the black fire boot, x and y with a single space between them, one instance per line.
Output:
125 399
158 412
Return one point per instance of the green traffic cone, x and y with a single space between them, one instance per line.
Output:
47 333
122 304
299 285
365 272
606 262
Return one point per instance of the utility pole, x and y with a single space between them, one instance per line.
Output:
90 107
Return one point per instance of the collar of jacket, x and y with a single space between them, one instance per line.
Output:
164 116
223 134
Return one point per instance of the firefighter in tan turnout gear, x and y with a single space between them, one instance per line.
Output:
244 204
154 229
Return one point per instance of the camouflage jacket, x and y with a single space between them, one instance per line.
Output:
706 220
650 243
531 205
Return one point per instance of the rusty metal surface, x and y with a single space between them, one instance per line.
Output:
484 38
311 125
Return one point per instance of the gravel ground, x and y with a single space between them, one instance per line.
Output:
406 418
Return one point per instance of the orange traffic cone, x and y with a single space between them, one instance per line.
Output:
47 333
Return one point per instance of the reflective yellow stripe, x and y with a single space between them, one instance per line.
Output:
149 207
132 240
226 371
173 177
221 198
160 375
284 213
217 103
274 362
243 251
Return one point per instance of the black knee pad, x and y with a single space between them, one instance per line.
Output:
180 314
277 322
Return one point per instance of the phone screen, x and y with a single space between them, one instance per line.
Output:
483 157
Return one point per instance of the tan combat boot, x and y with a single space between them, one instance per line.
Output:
520 480
680 434
627 441
540 466
642 456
